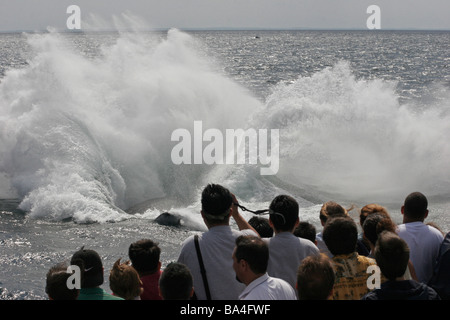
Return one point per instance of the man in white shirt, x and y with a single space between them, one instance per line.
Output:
423 240
250 258
286 250
216 246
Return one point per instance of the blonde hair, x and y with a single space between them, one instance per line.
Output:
124 281
372 208
332 209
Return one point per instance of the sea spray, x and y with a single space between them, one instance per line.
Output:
86 138
352 138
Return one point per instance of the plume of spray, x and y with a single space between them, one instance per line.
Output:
88 137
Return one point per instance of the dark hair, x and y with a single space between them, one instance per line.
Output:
253 250
144 255
391 254
176 282
305 230
288 208
340 235
216 202
315 278
376 223
415 206
56 284
91 267
262 226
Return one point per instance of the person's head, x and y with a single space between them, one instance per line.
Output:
369 209
250 258
415 207
262 226
340 235
315 278
144 255
283 213
374 224
91 267
216 204
331 209
392 255
124 281
306 230
56 284
176 282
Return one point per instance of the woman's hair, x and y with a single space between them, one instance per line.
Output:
124 281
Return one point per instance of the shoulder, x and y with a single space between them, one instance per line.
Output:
246 232
401 228
284 287
436 233
366 260
309 246
188 241
187 246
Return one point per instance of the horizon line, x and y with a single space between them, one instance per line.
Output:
215 29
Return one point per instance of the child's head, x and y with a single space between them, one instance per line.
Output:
392 255
124 281
144 255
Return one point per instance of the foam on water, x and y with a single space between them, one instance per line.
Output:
86 138
353 138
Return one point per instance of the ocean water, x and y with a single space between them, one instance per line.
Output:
86 122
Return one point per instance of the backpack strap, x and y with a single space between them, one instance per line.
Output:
202 268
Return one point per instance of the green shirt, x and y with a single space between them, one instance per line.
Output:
96 294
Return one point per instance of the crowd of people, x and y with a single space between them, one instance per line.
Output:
277 258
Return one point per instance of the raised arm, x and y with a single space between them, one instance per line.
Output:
240 221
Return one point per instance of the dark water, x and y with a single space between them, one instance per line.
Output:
86 117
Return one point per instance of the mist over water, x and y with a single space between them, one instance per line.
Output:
354 138
87 137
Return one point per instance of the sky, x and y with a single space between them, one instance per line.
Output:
38 15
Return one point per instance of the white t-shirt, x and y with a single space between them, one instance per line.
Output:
286 252
423 242
216 246
268 288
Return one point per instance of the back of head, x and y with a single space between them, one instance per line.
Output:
216 203
340 235
91 267
144 255
124 281
283 212
331 209
254 251
315 278
262 226
415 206
305 230
176 282
375 223
56 284
391 254
369 209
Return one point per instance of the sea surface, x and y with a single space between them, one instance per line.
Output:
86 122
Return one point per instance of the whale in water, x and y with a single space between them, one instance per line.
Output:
168 219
